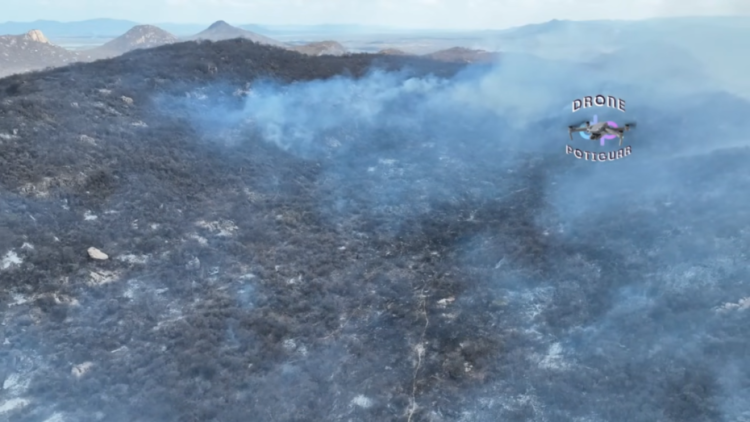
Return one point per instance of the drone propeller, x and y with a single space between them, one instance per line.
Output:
633 124
577 125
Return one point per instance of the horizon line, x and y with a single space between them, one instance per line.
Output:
368 24
383 26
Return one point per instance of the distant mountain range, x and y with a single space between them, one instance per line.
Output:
109 28
716 45
33 51
105 28
566 39
696 46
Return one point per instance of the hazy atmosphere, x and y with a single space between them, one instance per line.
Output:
245 214
437 14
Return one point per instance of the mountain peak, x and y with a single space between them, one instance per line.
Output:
139 36
142 28
219 25
221 30
150 31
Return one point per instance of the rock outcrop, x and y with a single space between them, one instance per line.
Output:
31 51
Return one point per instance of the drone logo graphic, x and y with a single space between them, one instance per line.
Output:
599 131
586 136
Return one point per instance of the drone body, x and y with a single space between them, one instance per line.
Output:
597 130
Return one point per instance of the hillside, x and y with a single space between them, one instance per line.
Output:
321 48
146 188
221 30
716 44
392 51
463 55
653 59
451 55
30 51
141 36
231 232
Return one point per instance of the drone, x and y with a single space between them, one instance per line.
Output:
597 130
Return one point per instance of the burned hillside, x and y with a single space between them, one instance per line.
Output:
281 248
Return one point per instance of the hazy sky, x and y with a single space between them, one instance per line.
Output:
474 14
